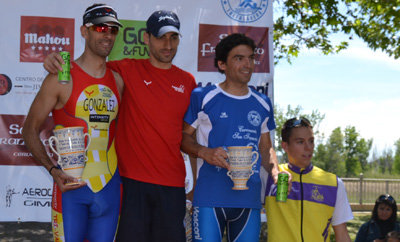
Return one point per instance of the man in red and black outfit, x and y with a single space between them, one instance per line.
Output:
149 135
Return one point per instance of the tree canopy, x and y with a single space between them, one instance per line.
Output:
311 24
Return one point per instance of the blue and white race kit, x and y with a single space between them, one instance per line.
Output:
223 120
242 224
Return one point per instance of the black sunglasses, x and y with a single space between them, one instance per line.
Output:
385 197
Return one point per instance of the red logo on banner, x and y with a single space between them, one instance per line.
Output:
210 35
12 146
41 36
5 84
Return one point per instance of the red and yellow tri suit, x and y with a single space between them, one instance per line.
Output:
93 104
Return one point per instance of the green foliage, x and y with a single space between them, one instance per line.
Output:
335 160
311 24
320 156
356 151
396 162
376 173
343 153
385 163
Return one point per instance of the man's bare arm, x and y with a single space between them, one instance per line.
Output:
119 82
269 160
341 233
213 156
268 156
46 99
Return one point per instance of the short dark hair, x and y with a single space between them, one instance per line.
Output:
227 44
292 123
388 200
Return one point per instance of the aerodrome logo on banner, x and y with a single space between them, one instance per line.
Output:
41 36
245 11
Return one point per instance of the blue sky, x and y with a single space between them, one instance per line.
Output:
357 87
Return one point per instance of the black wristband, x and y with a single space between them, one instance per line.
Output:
53 167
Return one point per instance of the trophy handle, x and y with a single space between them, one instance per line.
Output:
88 141
256 159
54 150
87 146
229 173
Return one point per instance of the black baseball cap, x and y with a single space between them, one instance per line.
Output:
162 22
101 14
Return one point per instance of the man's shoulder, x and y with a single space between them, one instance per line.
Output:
325 177
254 91
260 95
183 73
126 61
51 82
328 173
202 91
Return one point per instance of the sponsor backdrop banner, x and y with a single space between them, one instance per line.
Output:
33 29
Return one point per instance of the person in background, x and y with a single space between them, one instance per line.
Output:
89 209
317 199
383 220
229 114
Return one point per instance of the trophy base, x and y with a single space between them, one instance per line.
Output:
79 182
240 188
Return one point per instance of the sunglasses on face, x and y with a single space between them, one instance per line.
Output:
386 197
103 28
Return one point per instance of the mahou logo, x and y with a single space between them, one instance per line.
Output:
41 36
210 35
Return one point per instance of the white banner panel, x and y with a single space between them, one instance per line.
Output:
33 29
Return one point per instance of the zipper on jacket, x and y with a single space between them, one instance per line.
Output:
301 209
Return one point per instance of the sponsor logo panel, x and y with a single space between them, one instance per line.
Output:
210 35
129 42
41 36
12 146
27 85
5 84
245 11
27 196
